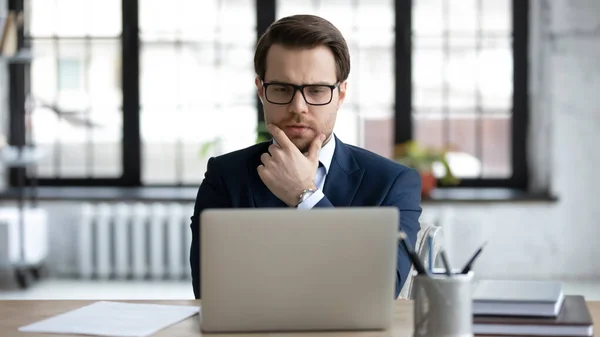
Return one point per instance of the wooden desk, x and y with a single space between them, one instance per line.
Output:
14 314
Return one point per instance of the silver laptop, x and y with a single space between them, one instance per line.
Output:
294 270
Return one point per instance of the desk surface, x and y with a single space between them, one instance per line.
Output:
14 314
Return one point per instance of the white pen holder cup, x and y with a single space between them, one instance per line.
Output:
443 305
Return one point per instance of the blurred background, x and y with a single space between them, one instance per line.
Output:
110 110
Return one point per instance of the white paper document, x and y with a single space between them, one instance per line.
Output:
105 318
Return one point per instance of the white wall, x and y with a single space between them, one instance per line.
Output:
547 240
529 239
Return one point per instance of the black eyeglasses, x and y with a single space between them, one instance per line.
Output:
314 94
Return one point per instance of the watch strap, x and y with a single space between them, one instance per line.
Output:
305 194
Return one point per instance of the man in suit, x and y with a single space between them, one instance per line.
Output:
302 65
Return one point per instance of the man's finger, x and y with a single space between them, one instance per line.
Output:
265 158
280 137
264 173
261 172
273 149
315 146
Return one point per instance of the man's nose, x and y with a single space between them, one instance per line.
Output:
298 104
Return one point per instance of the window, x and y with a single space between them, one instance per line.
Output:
75 90
110 111
468 67
196 85
365 118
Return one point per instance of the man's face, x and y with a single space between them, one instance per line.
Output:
300 121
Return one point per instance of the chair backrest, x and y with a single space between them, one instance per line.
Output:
422 249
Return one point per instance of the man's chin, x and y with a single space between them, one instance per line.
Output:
301 144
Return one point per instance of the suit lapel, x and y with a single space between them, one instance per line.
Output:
261 194
344 176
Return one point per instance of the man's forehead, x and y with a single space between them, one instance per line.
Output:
286 80
300 65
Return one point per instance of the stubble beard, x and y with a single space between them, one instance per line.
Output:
304 145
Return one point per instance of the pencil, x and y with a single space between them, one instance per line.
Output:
446 263
411 253
469 264
430 253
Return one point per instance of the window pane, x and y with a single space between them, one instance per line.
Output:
461 16
70 76
105 142
382 10
496 16
496 78
375 80
172 149
159 19
368 27
43 16
462 84
430 17
428 129
104 17
462 131
197 85
159 65
75 88
426 76
496 143
427 17
70 19
74 18
348 124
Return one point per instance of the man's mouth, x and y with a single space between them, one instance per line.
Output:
297 129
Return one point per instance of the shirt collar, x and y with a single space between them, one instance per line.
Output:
326 153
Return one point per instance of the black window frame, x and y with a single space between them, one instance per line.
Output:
265 15
403 122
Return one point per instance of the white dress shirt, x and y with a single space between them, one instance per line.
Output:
325 157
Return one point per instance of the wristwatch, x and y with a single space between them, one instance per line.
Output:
305 195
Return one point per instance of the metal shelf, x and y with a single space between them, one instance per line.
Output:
14 156
23 56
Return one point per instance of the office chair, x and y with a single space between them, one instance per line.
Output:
422 250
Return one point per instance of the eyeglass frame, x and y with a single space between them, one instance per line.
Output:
301 89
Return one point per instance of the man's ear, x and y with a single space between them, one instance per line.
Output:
259 88
342 93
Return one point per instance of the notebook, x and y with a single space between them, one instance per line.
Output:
517 298
574 319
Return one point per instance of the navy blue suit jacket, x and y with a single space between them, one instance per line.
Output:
356 177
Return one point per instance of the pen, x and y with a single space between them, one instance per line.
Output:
469 264
446 264
411 253
430 253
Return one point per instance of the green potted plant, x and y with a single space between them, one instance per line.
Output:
422 159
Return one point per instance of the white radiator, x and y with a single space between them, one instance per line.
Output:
134 241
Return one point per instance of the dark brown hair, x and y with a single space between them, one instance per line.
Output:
303 31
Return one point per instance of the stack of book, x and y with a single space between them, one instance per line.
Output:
530 308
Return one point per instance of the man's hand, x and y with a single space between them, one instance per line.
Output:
285 170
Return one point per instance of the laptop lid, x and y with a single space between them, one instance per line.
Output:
293 270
